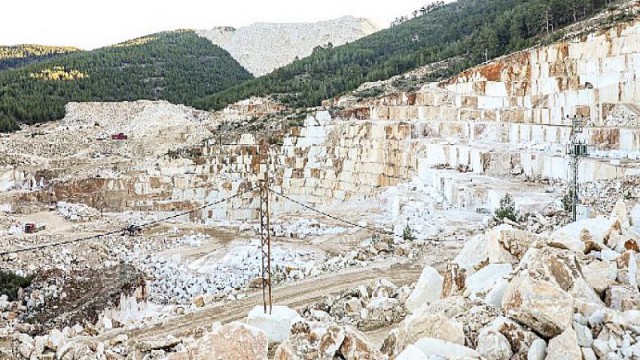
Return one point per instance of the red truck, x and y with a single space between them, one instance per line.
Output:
31 228
119 136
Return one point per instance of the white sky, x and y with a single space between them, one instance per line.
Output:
89 24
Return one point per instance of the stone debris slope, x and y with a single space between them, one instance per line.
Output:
264 47
517 295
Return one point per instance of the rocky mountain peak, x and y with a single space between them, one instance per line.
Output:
264 47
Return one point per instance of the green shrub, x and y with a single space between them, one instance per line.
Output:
407 234
567 201
10 283
507 209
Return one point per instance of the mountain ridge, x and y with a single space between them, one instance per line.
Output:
176 66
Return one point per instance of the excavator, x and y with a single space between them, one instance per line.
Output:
133 230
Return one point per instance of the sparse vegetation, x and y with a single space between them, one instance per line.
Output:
407 83
370 92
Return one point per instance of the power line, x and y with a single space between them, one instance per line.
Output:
331 216
43 246
378 231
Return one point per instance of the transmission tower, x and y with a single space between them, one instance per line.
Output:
577 149
262 151
265 227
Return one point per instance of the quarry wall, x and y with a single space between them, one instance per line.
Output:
466 137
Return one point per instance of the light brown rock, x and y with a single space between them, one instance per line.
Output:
622 297
564 347
520 339
599 275
353 306
562 268
627 268
434 321
508 245
198 301
493 345
454 280
389 343
331 341
357 346
539 304
231 341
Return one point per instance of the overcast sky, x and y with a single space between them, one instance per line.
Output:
94 23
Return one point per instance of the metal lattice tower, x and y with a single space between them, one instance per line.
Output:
265 228
577 149
262 151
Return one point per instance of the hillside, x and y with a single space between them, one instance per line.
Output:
175 66
20 55
472 30
263 47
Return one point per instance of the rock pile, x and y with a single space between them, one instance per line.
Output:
572 294
235 340
77 212
178 282
602 195
302 228
9 225
367 308
319 340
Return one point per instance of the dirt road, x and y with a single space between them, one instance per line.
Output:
294 295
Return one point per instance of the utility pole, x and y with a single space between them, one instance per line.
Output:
265 226
265 219
577 149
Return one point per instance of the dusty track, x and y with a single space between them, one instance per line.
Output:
293 295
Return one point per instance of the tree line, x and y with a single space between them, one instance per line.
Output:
420 12
20 55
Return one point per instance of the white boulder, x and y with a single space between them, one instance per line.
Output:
599 228
583 334
276 325
634 216
428 289
538 350
412 353
450 351
508 245
486 278
619 212
473 254
600 274
494 296
55 340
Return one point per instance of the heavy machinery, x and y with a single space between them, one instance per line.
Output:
133 230
32 228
